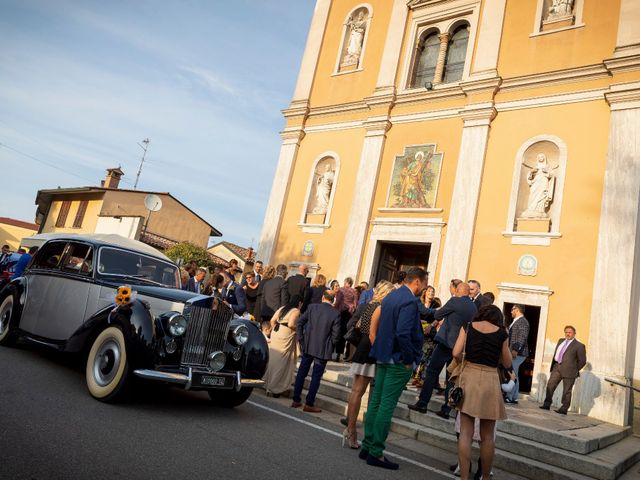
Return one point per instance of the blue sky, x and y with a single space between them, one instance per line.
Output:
82 82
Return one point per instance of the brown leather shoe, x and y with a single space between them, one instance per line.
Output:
295 404
311 409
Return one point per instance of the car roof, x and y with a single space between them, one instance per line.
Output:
98 238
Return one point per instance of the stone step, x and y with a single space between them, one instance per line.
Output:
601 451
531 425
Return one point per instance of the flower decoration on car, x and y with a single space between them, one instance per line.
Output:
125 295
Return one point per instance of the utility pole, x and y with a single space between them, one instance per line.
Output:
144 153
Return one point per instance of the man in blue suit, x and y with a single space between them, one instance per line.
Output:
456 313
233 294
397 348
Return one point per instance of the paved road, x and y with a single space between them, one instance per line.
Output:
50 428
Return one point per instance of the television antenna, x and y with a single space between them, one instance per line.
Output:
144 153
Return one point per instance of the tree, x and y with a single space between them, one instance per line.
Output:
186 252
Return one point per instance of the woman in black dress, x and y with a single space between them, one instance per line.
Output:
251 291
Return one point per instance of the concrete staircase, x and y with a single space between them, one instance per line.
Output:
532 443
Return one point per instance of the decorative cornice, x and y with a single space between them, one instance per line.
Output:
546 79
299 108
623 64
477 85
478 114
376 126
427 222
519 287
623 96
439 93
413 4
549 100
338 109
291 136
382 96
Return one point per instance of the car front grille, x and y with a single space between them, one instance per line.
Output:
207 332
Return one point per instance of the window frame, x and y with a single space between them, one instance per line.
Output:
35 265
443 17
425 34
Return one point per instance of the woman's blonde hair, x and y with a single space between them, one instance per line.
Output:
381 290
269 272
319 281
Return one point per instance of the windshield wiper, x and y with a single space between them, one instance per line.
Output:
138 277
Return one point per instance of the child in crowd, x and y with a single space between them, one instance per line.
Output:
266 330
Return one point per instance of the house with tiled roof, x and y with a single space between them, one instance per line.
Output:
109 209
228 251
12 231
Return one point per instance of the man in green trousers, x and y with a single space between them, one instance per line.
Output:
397 348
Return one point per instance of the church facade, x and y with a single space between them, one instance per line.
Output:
486 139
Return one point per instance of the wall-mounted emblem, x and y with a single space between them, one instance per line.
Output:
528 265
307 249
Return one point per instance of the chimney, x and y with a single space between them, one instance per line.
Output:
113 178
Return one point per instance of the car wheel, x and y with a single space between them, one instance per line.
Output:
230 398
107 367
8 314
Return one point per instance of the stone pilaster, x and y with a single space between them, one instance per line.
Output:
614 311
466 191
628 39
485 62
442 56
392 47
275 208
312 51
365 185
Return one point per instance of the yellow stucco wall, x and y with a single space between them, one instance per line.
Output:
90 217
12 235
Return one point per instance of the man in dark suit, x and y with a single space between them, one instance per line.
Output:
318 330
233 294
397 348
569 357
298 284
474 293
456 313
519 346
195 282
274 293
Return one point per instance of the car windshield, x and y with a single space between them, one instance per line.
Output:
137 266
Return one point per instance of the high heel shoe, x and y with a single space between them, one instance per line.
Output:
349 440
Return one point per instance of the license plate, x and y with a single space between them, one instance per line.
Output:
212 381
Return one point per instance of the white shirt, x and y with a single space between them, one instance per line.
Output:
514 321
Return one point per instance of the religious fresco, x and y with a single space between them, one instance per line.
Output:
414 180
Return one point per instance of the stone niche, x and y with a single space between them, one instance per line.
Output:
321 190
537 188
557 14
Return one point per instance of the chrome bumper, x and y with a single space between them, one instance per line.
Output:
185 380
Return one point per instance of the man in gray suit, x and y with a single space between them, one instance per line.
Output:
318 331
274 293
569 358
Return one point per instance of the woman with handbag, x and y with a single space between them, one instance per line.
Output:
480 347
363 367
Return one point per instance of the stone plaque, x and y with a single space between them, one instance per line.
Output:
528 265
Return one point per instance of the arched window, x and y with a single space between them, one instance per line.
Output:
456 53
426 59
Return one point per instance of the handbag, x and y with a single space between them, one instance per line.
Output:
455 369
354 335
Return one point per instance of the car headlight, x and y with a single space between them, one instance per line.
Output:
177 325
240 335
217 361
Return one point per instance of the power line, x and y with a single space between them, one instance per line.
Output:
43 162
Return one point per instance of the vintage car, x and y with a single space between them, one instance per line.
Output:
66 299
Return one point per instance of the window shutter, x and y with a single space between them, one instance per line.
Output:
64 211
77 223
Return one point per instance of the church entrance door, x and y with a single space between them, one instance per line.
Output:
394 257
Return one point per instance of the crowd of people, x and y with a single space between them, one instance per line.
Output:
393 334
13 264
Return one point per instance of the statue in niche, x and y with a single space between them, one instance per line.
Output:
541 181
560 8
356 28
324 184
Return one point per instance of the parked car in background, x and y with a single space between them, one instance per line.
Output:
66 300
